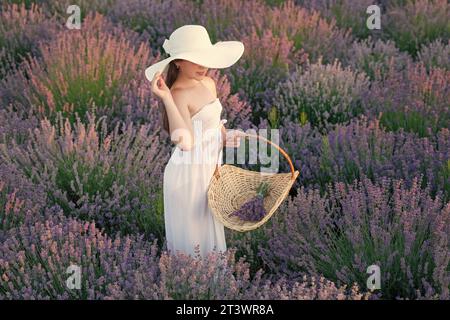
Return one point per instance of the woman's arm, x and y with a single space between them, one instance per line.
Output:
177 110
180 126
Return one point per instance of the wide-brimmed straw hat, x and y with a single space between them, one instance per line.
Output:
192 42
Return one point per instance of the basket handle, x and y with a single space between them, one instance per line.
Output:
217 171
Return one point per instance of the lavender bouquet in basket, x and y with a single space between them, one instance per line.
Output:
253 210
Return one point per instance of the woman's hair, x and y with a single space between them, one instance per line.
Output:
172 74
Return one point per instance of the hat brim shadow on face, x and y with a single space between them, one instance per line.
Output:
222 54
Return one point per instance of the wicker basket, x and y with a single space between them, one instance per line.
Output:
231 186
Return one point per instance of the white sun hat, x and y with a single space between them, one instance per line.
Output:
192 42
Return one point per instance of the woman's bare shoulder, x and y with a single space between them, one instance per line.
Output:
180 97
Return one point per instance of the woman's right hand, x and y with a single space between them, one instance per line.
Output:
159 86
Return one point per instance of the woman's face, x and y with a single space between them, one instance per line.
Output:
192 70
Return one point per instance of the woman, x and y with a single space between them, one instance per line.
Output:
191 116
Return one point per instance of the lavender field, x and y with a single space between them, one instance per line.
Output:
364 115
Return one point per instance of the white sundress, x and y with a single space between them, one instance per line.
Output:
189 221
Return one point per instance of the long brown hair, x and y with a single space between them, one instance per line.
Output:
172 75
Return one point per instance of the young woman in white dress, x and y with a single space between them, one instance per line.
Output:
191 116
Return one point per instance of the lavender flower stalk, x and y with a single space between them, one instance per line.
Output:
253 210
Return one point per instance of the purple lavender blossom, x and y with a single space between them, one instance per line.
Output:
254 210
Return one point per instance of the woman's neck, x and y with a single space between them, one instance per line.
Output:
184 82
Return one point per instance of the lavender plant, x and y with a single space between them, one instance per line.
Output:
58 9
248 244
111 178
20 199
34 260
364 147
326 94
82 70
416 23
303 144
435 54
220 276
27 3
347 14
253 209
144 17
16 125
266 62
375 57
319 38
225 19
402 230
21 28
415 99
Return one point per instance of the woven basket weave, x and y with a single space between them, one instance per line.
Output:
231 186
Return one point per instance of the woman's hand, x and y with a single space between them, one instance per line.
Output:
159 86
233 138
